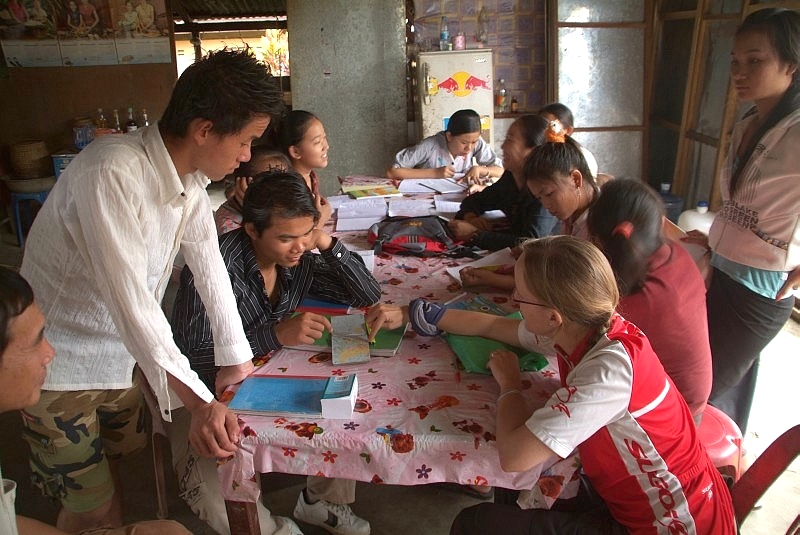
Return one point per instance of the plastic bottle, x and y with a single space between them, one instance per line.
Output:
673 204
500 96
444 35
697 219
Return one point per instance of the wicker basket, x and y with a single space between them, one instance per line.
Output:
29 185
31 159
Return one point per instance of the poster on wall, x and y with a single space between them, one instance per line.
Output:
46 33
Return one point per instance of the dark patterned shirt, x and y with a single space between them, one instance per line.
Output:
336 275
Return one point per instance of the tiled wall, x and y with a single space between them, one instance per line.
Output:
516 33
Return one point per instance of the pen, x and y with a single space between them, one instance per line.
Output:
456 298
462 186
369 334
429 187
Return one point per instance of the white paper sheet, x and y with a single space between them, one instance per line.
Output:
410 208
503 257
360 214
448 203
430 185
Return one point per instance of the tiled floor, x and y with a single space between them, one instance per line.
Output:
430 509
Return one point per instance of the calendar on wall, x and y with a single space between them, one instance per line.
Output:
54 33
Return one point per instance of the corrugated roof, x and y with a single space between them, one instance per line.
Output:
199 10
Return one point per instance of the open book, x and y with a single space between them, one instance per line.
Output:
297 396
387 342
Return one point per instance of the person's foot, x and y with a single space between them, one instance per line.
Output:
334 518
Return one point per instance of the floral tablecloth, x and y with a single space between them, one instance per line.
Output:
418 419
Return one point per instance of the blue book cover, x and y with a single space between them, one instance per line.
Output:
289 395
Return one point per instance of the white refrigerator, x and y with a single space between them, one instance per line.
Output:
451 81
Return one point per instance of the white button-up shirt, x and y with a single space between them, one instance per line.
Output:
99 256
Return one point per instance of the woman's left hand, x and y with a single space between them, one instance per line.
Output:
474 176
792 283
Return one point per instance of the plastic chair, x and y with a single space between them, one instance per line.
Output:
723 441
16 200
763 472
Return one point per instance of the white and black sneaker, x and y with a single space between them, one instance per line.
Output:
334 518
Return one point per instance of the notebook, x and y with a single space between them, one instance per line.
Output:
297 396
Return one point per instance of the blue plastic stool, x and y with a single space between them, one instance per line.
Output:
16 200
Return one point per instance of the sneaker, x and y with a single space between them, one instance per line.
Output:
334 518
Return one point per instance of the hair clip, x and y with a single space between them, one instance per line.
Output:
623 228
555 133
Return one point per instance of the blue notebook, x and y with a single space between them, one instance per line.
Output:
296 395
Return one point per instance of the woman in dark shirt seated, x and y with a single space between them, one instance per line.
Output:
526 218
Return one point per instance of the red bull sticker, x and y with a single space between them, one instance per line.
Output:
460 84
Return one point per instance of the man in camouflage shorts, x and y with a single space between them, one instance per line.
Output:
24 356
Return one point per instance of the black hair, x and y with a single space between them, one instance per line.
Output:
782 28
634 202
534 129
464 122
563 113
228 88
282 193
554 156
293 127
257 153
16 295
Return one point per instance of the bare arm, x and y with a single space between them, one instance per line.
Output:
384 316
519 449
406 172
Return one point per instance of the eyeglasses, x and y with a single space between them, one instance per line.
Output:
516 299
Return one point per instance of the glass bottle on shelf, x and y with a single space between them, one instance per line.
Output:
500 96
100 121
131 125
117 125
145 118
514 104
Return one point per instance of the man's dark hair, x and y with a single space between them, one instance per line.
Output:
16 295
281 193
228 88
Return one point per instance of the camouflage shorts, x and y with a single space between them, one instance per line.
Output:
73 435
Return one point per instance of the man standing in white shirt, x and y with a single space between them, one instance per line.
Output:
99 257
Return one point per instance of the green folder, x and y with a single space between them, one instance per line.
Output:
473 352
